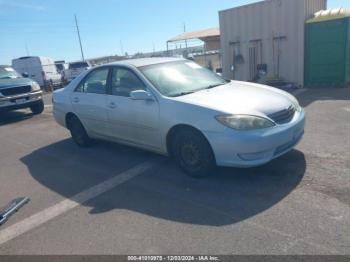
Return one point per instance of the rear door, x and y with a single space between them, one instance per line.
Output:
73 71
77 68
89 101
49 70
34 69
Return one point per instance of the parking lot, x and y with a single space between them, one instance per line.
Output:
297 204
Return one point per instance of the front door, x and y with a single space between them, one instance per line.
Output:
133 121
89 101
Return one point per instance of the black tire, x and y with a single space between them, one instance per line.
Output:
78 132
193 153
37 108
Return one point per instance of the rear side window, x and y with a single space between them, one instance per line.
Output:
50 68
95 82
59 66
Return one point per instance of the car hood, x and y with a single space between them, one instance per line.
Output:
6 83
241 98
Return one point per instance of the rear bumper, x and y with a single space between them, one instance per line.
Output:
53 82
20 101
254 148
57 83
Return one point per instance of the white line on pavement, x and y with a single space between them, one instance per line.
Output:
64 206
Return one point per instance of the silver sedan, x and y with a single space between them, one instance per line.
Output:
177 108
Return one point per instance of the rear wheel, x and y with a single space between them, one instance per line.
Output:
78 132
193 153
37 108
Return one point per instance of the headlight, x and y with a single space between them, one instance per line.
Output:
35 86
244 122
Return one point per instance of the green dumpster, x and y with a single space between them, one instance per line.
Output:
327 49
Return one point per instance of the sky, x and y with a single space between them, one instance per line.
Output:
107 27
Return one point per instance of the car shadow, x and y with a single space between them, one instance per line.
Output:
14 116
323 94
165 192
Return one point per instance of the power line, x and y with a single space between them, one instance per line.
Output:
27 50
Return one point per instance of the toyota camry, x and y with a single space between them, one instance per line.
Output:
177 108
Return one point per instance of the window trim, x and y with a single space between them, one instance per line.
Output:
88 74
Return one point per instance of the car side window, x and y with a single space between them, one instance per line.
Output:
125 81
95 82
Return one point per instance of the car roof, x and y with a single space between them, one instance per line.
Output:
32 57
147 61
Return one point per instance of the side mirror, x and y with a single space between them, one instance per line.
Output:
25 75
141 95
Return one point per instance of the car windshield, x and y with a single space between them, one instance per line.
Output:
181 78
8 73
78 65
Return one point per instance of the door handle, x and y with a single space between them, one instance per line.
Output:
112 105
76 100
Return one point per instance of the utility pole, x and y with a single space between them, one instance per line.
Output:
81 47
186 40
121 48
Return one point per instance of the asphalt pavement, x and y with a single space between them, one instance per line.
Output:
113 199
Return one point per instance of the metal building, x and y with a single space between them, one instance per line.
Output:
267 36
210 55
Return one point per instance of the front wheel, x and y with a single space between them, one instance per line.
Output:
37 108
193 153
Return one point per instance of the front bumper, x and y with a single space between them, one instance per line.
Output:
20 101
254 148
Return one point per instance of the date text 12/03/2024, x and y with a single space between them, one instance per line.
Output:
173 258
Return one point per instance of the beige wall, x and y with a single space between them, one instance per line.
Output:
203 60
266 20
212 43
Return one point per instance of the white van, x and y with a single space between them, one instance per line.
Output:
39 68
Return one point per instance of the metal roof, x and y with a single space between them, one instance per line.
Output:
146 61
247 5
331 14
211 32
